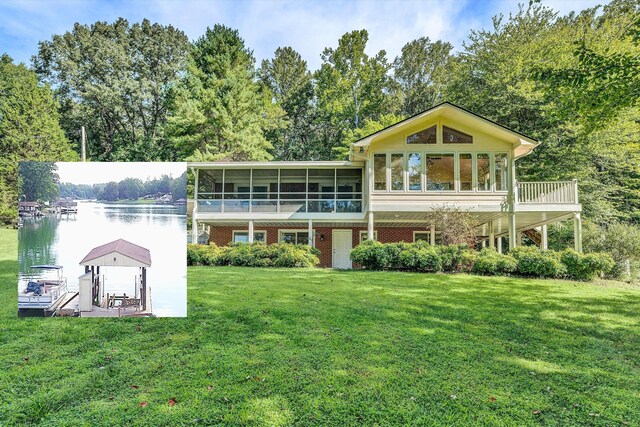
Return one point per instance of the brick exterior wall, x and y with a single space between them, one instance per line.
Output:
222 236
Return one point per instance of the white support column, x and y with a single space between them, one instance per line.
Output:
492 236
484 243
499 245
251 231
432 236
544 241
370 234
512 230
312 240
194 213
518 238
577 232
194 230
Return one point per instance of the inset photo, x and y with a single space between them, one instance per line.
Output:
102 239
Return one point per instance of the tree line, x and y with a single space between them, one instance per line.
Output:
145 92
128 189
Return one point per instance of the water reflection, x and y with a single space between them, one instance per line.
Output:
65 240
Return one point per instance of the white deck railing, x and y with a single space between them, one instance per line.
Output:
547 192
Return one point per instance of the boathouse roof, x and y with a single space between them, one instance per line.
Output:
119 253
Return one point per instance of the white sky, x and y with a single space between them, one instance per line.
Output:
102 172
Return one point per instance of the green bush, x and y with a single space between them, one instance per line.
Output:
531 261
253 255
490 262
452 257
418 258
393 251
202 254
371 255
587 266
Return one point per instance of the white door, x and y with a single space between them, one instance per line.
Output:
342 244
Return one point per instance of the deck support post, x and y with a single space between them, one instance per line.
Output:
250 234
499 244
143 292
370 234
519 238
492 236
432 234
194 230
577 232
544 241
512 230
312 239
194 222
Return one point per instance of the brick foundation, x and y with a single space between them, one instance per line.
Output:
222 236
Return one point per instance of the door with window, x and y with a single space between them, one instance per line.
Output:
341 245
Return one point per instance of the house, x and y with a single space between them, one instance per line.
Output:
385 191
29 209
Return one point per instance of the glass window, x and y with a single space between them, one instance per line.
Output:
243 236
397 171
349 182
484 172
295 237
440 173
265 184
379 171
415 171
501 172
466 172
452 136
210 184
422 235
365 233
426 136
236 183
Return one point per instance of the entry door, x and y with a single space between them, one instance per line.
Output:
342 244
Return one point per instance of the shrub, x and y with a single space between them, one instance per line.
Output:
393 253
587 266
452 257
371 255
202 254
420 259
254 255
533 262
490 262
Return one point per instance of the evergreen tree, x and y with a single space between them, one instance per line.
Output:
287 78
220 112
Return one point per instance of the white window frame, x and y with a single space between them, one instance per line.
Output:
233 234
292 230
422 232
363 235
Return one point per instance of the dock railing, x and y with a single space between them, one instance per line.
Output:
547 192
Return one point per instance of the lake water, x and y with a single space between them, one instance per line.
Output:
66 239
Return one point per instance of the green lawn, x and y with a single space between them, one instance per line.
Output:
321 347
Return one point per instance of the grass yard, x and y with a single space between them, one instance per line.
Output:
322 347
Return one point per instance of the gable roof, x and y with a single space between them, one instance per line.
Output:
524 144
122 247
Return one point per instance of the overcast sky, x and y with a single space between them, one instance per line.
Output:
307 26
102 172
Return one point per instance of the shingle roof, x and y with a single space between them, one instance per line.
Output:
122 247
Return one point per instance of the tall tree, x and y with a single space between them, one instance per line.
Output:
351 87
29 130
289 81
116 80
420 72
38 181
220 112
